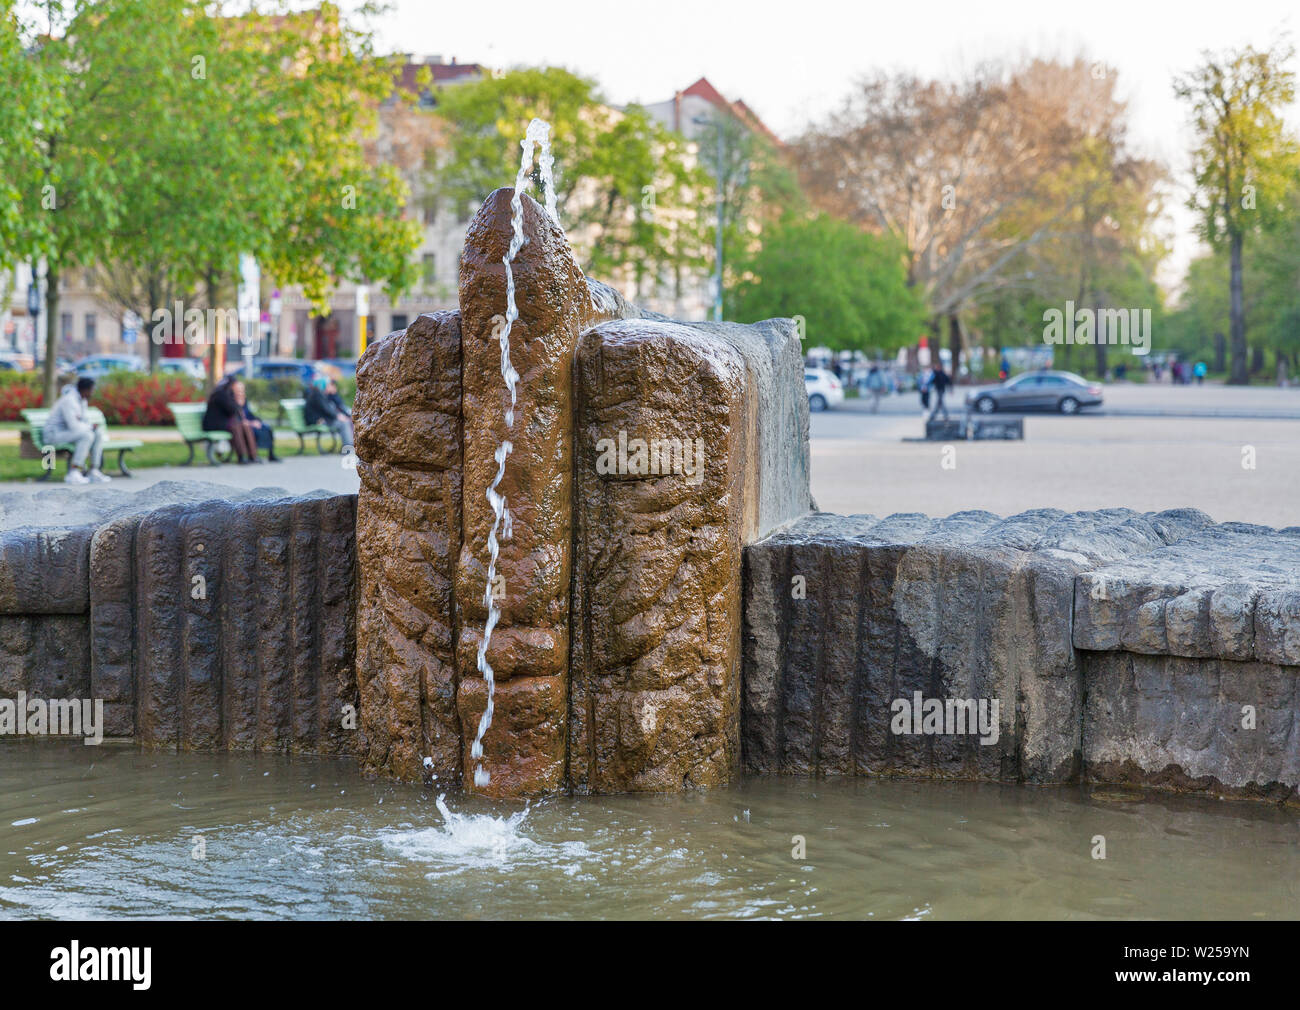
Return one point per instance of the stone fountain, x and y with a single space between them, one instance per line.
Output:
618 650
673 610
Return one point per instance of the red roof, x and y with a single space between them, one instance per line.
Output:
703 89
441 73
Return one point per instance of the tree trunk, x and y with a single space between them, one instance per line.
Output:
1237 318
1101 346
210 285
1218 353
51 333
1256 359
954 344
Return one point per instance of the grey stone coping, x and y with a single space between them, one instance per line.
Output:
1230 591
1081 537
45 536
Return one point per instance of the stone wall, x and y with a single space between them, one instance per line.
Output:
204 624
845 616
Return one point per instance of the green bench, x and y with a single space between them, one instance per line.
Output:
189 422
294 411
32 441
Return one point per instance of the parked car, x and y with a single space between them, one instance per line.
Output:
97 365
824 390
1061 391
286 368
195 368
345 368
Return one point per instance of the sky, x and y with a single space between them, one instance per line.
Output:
793 62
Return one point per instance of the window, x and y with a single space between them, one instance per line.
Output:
398 321
65 325
430 274
90 327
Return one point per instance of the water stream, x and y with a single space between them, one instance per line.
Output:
537 138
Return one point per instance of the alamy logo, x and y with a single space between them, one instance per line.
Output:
1129 327
656 457
55 717
102 964
946 717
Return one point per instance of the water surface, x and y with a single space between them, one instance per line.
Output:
104 832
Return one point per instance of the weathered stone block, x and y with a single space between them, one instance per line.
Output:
408 540
526 741
666 443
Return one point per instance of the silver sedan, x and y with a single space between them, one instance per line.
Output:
1060 391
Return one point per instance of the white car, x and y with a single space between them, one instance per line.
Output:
824 390
195 368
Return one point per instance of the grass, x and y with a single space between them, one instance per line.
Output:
162 453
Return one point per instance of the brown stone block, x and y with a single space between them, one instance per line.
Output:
408 529
518 651
524 748
535 561
656 689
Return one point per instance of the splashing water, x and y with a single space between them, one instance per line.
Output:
537 136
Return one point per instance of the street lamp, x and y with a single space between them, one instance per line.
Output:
34 310
716 122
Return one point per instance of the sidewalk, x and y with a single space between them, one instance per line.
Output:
297 475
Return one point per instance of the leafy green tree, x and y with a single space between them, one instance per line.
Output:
182 138
849 286
1245 160
31 103
625 186
1270 299
751 181
69 186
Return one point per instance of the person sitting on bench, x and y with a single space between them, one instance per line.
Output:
223 414
68 422
323 405
263 435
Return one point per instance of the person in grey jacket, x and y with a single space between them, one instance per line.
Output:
68 422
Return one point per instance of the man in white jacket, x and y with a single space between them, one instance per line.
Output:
68 423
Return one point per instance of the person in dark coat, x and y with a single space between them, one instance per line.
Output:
940 384
263 434
325 406
224 414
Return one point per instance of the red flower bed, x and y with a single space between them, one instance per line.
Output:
19 393
131 398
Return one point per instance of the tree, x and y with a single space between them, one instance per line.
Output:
849 286
1270 293
625 188
161 162
1245 159
752 184
69 191
31 103
975 178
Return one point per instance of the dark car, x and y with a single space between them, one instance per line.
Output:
1060 391
286 368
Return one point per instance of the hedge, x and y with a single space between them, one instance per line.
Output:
124 397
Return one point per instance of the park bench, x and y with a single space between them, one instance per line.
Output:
189 422
32 440
294 411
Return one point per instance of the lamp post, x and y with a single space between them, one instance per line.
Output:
34 310
716 122
275 307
